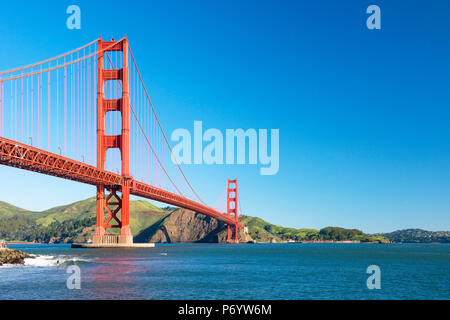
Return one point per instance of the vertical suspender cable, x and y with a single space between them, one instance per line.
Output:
21 111
57 107
48 109
65 109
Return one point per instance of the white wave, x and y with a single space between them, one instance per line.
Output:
50 261
41 261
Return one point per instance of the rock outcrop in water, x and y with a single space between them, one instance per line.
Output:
186 226
12 256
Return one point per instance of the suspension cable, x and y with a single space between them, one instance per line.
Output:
154 153
51 59
60 66
160 127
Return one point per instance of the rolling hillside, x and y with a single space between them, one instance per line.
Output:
76 223
143 213
68 223
417 236
263 231
8 210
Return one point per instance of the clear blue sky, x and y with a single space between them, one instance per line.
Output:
363 114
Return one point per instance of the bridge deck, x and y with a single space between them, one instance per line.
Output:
19 155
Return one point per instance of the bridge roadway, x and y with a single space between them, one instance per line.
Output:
18 155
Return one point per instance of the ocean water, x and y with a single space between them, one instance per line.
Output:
218 271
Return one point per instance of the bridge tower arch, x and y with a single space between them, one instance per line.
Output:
232 205
113 211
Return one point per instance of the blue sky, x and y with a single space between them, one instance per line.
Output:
363 114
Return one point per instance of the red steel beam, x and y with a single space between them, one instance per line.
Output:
19 155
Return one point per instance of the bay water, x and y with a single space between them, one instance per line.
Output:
220 271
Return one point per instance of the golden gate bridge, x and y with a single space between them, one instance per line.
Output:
50 112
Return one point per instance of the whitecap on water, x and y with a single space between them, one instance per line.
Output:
51 261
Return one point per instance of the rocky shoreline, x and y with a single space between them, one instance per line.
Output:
12 256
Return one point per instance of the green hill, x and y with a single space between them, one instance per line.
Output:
262 231
8 210
75 222
68 223
74 211
417 236
87 208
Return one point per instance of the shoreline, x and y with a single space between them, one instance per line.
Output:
254 242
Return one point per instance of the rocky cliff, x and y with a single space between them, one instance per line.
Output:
186 226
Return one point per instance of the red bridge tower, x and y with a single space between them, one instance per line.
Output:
113 203
232 205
